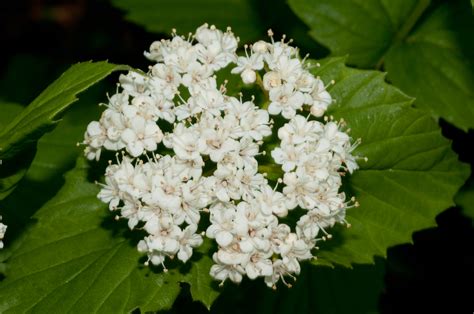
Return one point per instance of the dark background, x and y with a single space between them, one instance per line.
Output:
40 39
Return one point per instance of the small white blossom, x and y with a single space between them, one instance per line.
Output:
187 241
271 201
321 99
134 84
223 272
247 66
285 100
141 135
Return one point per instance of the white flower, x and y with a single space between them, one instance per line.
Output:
110 193
166 79
186 143
197 74
321 99
213 156
218 143
270 201
222 272
203 99
248 150
272 80
187 241
130 211
259 264
207 35
299 130
165 109
294 250
166 240
250 180
305 82
179 53
141 135
247 66
134 84
156 52
288 156
261 47
94 137
226 185
254 124
215 49
285 100
279 270
289 68
307 228
298 190
222 224
165 192
231 255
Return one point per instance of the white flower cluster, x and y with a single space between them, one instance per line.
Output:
3 229
210 147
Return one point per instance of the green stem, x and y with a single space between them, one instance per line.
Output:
273 171
259 82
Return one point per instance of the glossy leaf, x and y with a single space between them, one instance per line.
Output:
55 154
436 64
44 112
18 138
427 51
9 176
411 174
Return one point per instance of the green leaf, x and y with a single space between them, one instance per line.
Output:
44 111
9 112
203 286
73 260
427 54
9 176
435 64
57 150
19 136
162 16
365 30
56 153
411 174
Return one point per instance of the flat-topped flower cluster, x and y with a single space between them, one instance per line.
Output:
189 149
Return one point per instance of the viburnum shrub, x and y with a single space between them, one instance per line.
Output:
261 166
230 160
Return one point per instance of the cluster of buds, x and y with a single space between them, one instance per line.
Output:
191 149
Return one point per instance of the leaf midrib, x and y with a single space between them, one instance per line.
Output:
402 33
